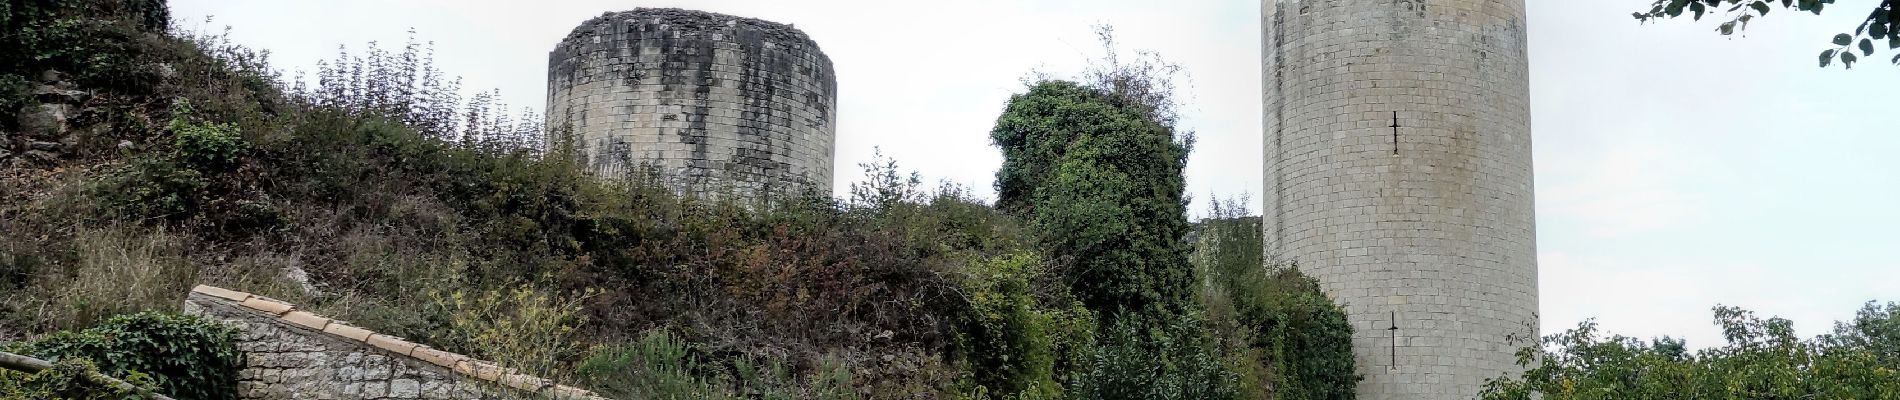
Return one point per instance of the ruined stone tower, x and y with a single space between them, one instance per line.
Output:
715 102
1398 173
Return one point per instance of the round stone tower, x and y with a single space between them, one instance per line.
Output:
715 102
1398 173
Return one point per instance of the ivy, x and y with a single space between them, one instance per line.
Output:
187 357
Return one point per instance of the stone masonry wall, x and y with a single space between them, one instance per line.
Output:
712 100
1427 229
295 355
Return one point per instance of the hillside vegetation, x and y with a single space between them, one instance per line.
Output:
144 160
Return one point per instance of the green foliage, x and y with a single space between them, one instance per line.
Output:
1013 344
208 147
1881 25
187 357
1875 328
1102 187
1761 360
192 181
70 379
1292 339
660 366
1155 357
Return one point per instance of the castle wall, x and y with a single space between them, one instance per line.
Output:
1429 229
712 100
294 355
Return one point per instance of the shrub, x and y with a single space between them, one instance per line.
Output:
658 365
518 327
1155 357
1012 343
208 147
187 357
1292 341
1096 168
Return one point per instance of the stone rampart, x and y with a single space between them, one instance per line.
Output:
292 355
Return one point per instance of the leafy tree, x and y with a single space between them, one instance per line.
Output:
1096 169
1761 360
1879 26
1875 328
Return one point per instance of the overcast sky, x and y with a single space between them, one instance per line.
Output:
1676 169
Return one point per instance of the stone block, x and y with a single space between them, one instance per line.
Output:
437 357
222 293
392 344
267 305
308 320
345 330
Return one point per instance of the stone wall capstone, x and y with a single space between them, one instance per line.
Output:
715 102
295 355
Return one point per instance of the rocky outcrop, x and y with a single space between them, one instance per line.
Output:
46 132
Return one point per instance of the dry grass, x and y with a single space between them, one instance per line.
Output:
119 271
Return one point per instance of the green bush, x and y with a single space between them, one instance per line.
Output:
187 357
1101 183
1155 357
208 147
1292 340
1762 359
1013 344
660 366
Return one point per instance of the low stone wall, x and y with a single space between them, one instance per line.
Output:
292 354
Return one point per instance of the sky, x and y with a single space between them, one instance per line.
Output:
1676 169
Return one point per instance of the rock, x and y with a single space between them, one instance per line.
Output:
404 389
51 76
54 94
49 120
125 145
40 156
165 71
43 146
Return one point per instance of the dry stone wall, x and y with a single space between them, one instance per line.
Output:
715 102
295 355
1424 230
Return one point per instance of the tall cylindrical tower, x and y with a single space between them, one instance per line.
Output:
1398 173
714 101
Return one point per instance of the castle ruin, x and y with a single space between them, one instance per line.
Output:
714 102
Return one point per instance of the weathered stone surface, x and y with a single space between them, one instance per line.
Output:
701 96
1428 228
287 361
48 120
55 94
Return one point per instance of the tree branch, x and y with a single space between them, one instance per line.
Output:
32 365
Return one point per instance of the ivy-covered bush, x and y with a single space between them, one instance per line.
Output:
187 357
1284 334
1012 343
1101 184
